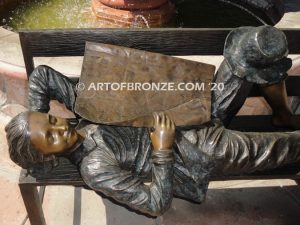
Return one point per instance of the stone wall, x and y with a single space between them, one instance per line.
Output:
13 90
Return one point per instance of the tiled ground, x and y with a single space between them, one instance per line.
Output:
264 202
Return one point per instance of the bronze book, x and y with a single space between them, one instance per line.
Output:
124 86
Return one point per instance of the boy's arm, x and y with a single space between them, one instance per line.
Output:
47 84
105 168
102 172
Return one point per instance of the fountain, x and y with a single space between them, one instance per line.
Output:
140 13
53 14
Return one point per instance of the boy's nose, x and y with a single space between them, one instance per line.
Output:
61 127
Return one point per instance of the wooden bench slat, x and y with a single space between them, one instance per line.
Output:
257 123
167 41
292 86
170 41
254 123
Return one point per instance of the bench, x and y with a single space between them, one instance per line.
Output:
71 42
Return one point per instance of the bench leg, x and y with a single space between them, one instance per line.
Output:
33 204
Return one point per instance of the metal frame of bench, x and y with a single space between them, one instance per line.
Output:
179 42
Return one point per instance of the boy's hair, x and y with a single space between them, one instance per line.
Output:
18 138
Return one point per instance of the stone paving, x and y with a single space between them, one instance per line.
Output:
247 202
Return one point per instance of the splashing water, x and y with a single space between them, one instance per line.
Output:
41 14
135 23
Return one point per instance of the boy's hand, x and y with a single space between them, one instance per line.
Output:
163 134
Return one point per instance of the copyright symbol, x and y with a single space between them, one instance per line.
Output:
80 87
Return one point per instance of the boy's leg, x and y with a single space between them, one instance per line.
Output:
227 102
237 152
276 96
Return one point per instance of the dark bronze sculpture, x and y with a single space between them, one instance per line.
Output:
116 160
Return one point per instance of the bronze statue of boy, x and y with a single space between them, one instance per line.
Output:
115 160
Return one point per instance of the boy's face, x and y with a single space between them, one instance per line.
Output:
50 134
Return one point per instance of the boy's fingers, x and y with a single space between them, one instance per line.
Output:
172 125
168 122
163 119
156 119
